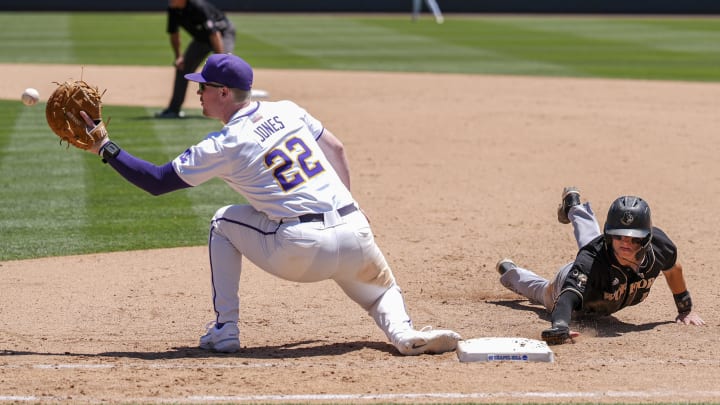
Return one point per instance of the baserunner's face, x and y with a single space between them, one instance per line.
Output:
626 248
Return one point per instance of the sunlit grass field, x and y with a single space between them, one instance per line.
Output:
58 202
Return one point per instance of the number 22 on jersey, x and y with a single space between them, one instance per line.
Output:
293 163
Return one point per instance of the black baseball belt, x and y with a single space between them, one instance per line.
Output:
346 210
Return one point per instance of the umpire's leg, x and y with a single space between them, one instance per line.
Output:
194 55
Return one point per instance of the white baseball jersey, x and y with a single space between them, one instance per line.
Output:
268 152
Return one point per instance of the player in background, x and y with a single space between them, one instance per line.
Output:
432 5
302 223
611 271
211 32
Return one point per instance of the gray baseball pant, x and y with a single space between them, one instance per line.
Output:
540 290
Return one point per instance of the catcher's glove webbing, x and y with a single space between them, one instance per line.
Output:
63 113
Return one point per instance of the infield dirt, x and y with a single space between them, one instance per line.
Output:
455 172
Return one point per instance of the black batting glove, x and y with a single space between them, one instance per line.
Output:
556 335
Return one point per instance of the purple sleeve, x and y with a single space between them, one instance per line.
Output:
155 180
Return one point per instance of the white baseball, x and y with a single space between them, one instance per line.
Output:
30 96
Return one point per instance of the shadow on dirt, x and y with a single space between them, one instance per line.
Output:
609 326
606 326
304 349
523 305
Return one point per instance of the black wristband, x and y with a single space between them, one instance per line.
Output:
109 151
683 302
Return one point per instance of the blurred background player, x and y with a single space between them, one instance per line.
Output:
211 32
611 271
432 5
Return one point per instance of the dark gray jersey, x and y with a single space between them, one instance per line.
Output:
605 286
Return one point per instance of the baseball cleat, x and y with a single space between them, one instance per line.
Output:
504 265
570 198
225 339
414 342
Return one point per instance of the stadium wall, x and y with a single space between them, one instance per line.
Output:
392 6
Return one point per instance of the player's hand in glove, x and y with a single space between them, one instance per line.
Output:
556 335
560 331
63 114
96 129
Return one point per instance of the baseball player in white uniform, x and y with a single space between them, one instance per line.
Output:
301 224
432 5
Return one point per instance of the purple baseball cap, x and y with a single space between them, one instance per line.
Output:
227 69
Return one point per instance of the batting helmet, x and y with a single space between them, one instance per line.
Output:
629 216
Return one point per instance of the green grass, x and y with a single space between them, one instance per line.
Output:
57 201
616 47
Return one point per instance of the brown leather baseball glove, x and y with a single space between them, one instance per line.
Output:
63 113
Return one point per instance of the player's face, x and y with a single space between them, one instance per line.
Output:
210 98
626 248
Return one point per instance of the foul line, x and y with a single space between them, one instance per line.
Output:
390 397
451 395
448 396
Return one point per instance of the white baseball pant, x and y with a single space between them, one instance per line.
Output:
432 5
339 248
